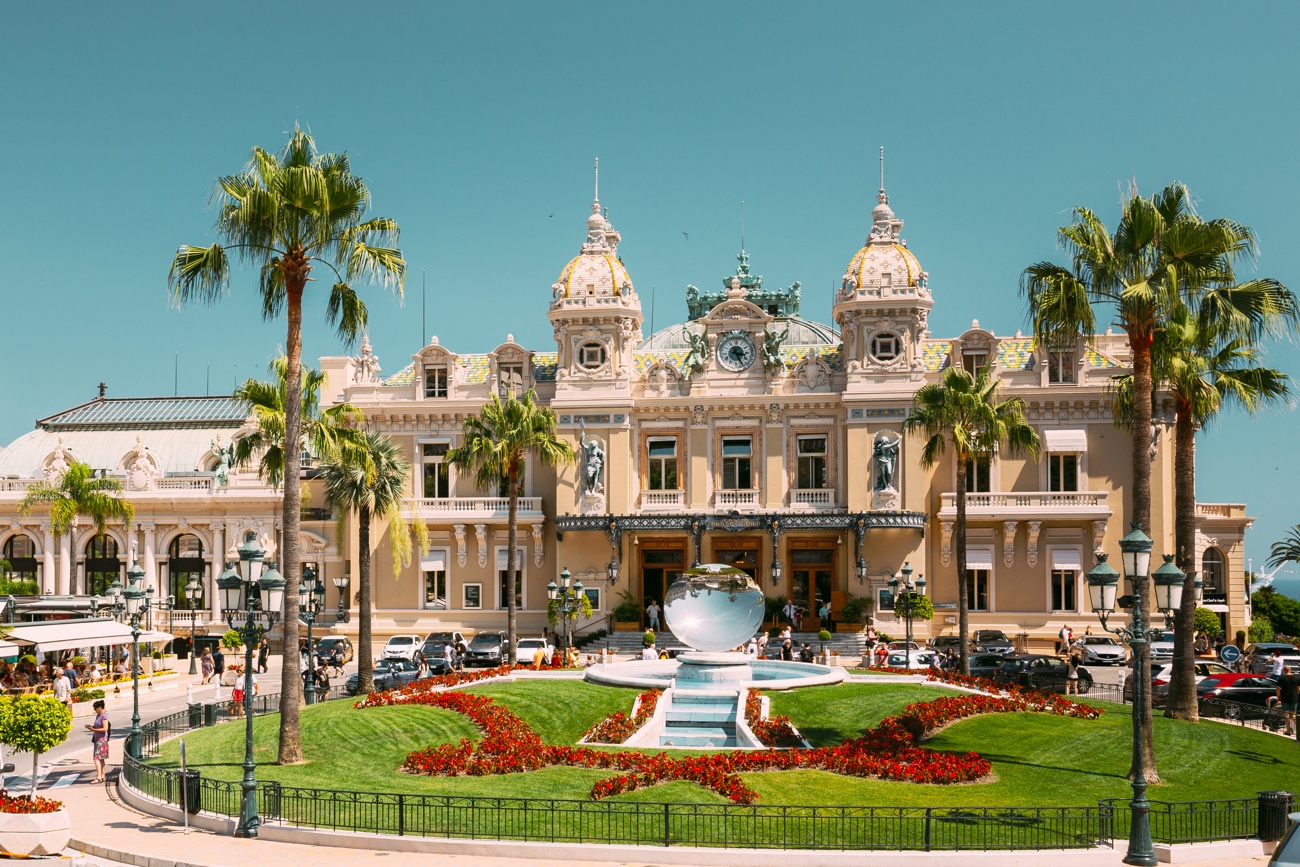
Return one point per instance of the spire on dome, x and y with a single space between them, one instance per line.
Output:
885 227
595 204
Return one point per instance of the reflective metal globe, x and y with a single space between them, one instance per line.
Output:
714 607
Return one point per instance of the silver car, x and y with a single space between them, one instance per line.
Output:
1101 650
1162 647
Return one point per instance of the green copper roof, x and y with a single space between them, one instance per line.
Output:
150 412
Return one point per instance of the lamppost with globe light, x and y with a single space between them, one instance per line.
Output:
135 602
1103 585
905 593
341 584
311 599
567 600
251 600
193 591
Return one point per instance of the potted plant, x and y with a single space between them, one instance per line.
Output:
627 613
851 613
30 825
772 607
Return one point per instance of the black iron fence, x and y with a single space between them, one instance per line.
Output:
759 826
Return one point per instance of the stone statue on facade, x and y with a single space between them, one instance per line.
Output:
698 356
225 456
593 463
366 365
885 487
772 340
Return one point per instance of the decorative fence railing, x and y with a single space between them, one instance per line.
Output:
758 826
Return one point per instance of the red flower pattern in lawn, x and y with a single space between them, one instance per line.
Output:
889 752
618 727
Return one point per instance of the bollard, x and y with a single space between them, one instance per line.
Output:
209 714
1273 810
196 715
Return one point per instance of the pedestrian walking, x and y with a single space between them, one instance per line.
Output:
1072 677
1063 639
652 615
263 651
218 662
63 690
1288 693
207 665
824 613
99 729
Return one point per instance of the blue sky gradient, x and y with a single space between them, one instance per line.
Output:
476 124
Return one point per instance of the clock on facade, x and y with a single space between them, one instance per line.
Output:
736 351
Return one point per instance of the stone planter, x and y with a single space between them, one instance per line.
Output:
27 834
848 627
627 626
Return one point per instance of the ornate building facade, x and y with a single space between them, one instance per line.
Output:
748 435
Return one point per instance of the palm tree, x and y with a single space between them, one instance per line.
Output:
372 481
1287 550
497 442
79 493
968 411
1160 253
283 214
324 432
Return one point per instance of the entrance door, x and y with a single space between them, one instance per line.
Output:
740 552
812 578
661 565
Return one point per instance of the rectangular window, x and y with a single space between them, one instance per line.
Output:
812 462
662 457
737 454
1060 367
1063 472
435 382
510 380
437 472
974 362
471 595
977 589
434 567
978 477
1063 590
503 573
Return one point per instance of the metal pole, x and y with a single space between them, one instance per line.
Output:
1140 849
193 661
248 818
309 689
133 745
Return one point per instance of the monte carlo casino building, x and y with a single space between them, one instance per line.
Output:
748 435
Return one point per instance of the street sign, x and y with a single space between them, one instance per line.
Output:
1229 653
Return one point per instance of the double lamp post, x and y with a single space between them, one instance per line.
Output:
134 601
567 599
905 593
311 600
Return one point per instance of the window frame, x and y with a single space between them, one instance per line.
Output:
504 390
503 574
967 357
441 461
733 462
1219 585
595 363
977 464
1061 367
446 579
877 341
814 459
441 376
1052 472
652 461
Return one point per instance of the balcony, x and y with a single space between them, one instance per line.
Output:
1221 510
1030 505
816 499
663 501
735 499
472 508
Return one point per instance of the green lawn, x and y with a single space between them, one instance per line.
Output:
1037 759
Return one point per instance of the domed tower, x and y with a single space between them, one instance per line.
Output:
596 313
883 302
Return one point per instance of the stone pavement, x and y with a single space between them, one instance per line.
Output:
105 827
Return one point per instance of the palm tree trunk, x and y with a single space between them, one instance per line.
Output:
1182 685
290 677
512 573
963 600
365 636
1144 756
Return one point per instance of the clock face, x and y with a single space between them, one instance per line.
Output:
736 351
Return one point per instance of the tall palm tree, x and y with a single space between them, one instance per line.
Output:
324 432
1159 249
497 442
969 411
372 481
284 215
79 493
1287 550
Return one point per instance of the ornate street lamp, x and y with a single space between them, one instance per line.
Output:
612 570
341 584
567 599
251 601
861 569
193 591
311 599
776 572
904 592
1103 583
135 602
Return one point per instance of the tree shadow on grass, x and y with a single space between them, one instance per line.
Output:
1253 756
1014 760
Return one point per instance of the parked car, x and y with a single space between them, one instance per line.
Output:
902 645
389 674
402 647
992 641
1260 656
434 655
985 664
330 645
920 659
1101 650
526 649
1162 647
1287 853
1234 689
1162 676
941 643
487 649
1039 671
442 637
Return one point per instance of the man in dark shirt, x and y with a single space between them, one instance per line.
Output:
1288 692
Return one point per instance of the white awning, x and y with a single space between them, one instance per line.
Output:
155 637
7 650
58 635
979 558
1065 439
1067 558
434 561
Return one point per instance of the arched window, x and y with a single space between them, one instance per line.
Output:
20 553
102 564
1213 573
184 562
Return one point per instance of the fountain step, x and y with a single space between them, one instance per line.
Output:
712 717
698 736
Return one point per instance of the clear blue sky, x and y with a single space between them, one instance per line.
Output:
475 123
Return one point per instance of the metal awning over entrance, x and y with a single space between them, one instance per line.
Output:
73 634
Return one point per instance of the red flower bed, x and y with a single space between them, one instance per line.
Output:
27 804
618 727
891 751
777 731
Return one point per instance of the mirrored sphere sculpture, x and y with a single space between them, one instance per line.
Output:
714 607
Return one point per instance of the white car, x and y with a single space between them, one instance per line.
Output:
1162 647
920 661
1101 650
526 649
403 647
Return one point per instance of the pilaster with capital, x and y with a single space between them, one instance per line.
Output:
1009 542
218 566
1031 542
47 545
150 558
64 586
462 556
480 530
539 550
945 542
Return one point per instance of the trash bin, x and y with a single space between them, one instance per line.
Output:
191 790
209 714
1273 810
196 715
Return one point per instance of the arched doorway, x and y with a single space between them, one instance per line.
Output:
103 565
184 562
20 552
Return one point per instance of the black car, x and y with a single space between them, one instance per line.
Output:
1220 694
389 674
487 649
985 664
1039 671
992 641
326 648
434 655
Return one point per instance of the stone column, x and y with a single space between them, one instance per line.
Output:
218 566
149 561
65 564
47 545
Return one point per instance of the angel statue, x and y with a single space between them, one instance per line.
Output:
772 361
593 462
226 458
699 344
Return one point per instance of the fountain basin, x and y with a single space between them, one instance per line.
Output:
762 673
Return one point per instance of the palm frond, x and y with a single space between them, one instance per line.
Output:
198 274
346 312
